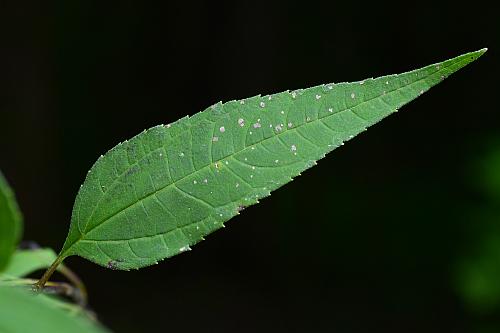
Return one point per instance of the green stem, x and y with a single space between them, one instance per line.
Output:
76 281
46 276
67 290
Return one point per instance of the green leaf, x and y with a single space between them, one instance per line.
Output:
25 262
161 192
10 223
23 312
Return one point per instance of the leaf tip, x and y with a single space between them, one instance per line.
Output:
475 55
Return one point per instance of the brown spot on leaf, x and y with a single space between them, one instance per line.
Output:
113 264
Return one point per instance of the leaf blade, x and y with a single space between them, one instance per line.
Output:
164 190
25 312
10 223
25 262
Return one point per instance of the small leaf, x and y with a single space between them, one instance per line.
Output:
23 312
10 223
167 188
25 262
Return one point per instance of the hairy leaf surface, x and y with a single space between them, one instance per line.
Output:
10 223
23 312
164 190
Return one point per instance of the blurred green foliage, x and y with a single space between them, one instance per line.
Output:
478 270
24 312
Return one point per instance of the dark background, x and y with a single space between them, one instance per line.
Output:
398 231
